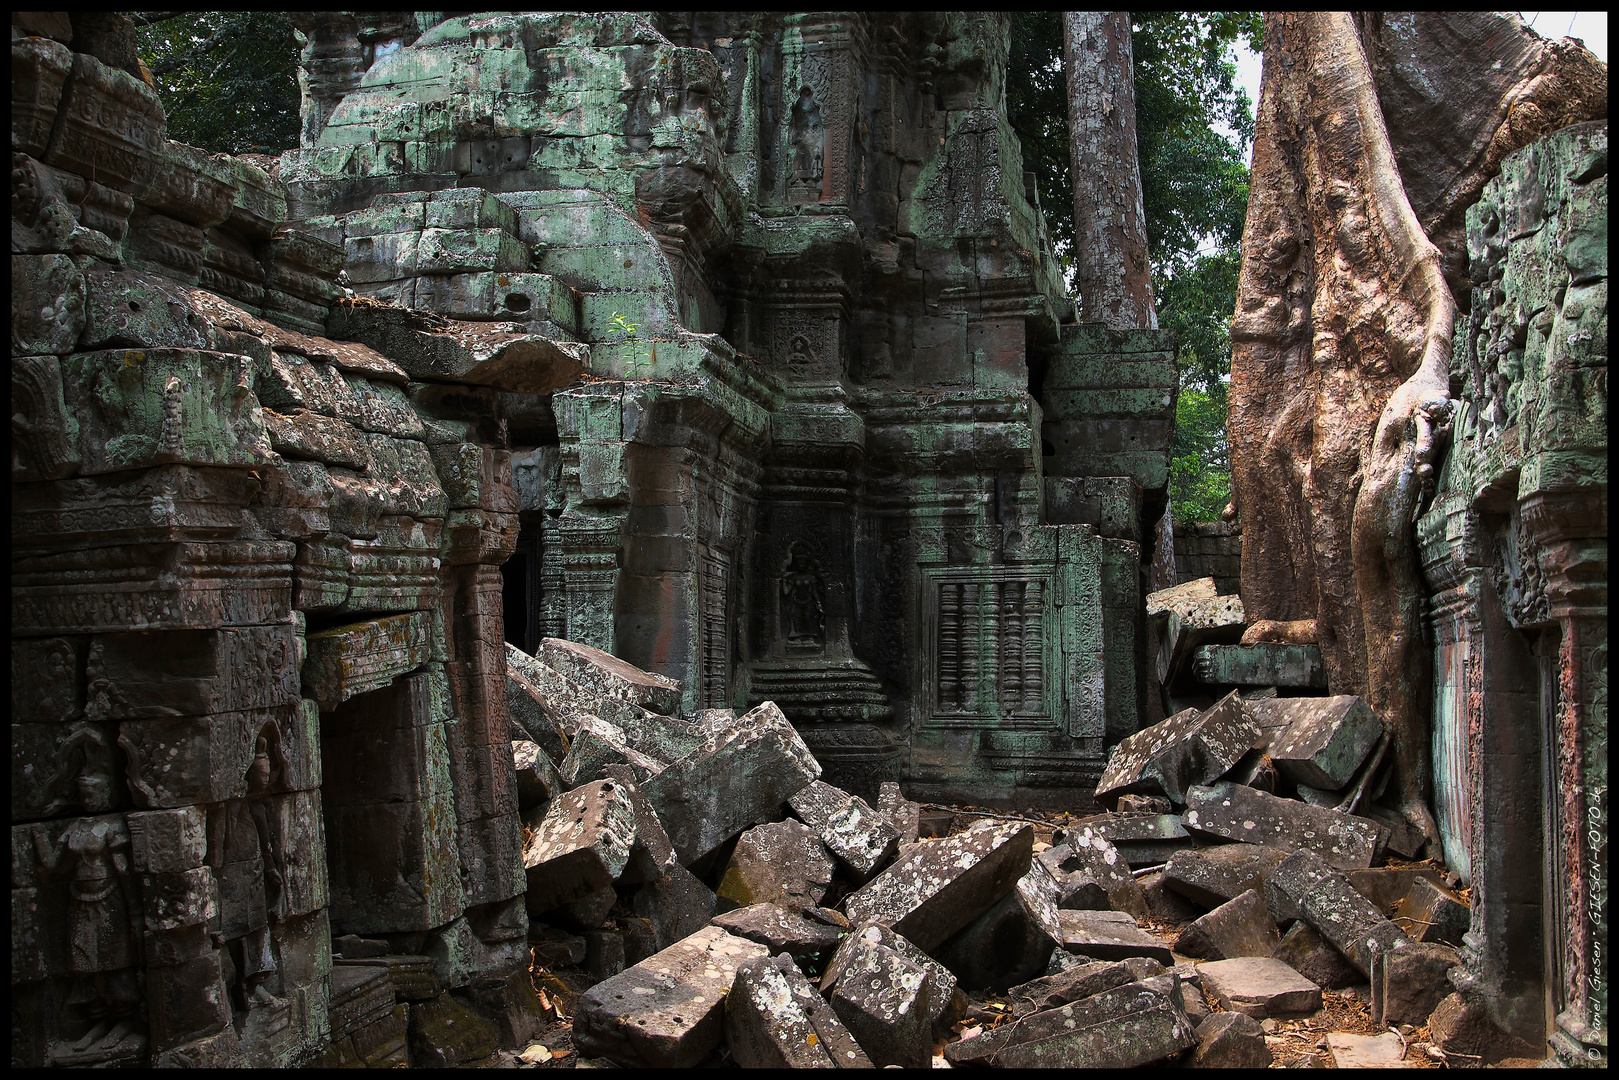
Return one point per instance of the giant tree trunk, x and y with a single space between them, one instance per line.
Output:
1341 340
1110 224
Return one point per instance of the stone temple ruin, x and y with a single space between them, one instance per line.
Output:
603 435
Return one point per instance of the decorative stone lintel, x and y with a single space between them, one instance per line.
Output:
350 660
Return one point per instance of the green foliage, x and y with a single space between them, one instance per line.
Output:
635 365
1194 181
228 80
1200 465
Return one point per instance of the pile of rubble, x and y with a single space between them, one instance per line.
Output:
698 893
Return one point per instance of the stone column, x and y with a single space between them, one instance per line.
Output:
1571 527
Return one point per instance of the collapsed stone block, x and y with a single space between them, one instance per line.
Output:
942 993
1241 926
1265 664
780 930
1431 912
1259 986
1085 850
1109 935
720 789
775 1019
850 829
1231 1040
1234 812
607 675
1012 941
1144 804
1188 623
530 718
596 745
1325 740
677 905
1305 886
1084 980
1129 1025
901 813
1351 1051
1212 876
1386 886
668 1011
782 863
1164 903
581 846
1189 748
652 855
1410 982
537 779
1305 951
885 1001
1141 839
1460 1025
938 887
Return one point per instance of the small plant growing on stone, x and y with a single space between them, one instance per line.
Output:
635 365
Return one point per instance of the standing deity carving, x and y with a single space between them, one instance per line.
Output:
803 592
809 139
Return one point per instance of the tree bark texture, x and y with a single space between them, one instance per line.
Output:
1110 222
1342 336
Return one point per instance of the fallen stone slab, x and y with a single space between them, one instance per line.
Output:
652 855
596 745
1233 812
1305 951
1142 839
904 815
1212 876
1410 982
1305 886
586 913
780 930
851 830
1259 986
607 675
1186 749
1242 926
721 788
1086 849
1386 886
566 704
1431 912
939 886
1326 740
1012 941
580 847
943 994
884 1000
537 779
1164 903
668 1011
1462 1026
774 1019
1084 980
1127 1026
782 863
1231 1040
677 905
1179 596
1385 1051
1399 835
527 707
1268 663
1188 625
1109 935
1145 804
1078 891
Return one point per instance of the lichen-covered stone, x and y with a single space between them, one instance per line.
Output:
1307 887
1126 1026
1108 935
1235 812
942 994
1085 850
782 863
780 930
885 1001
1259 986
1187 749
939 886
581 846
1325 741
1242 926
1212 876
775 1019
668 1011
717 790
848 827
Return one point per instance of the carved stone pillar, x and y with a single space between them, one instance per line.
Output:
1571 527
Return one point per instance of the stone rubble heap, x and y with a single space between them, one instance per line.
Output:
698 893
